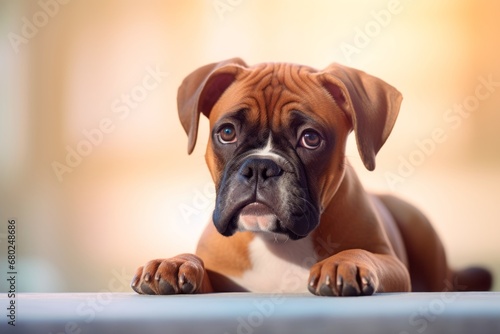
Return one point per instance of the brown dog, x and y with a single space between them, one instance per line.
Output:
290 213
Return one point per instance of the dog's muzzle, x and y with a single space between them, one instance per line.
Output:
260 194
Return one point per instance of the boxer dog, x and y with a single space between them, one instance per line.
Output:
290 213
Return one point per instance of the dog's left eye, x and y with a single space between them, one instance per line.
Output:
310 139
227 134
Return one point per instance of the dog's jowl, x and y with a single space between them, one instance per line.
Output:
290 213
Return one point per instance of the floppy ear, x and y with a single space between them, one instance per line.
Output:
199 92
371 104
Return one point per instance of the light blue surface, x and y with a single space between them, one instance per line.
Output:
447 312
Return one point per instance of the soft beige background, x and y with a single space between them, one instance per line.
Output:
137 195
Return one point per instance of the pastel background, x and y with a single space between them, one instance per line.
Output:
109 70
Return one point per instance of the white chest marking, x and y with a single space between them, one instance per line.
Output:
278 266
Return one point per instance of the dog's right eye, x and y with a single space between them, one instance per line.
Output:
227 134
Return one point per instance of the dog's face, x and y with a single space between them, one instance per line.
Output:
277 141
276 151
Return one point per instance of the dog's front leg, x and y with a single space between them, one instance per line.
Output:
357 272
182 274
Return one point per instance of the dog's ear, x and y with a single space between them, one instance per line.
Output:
371 105
199 92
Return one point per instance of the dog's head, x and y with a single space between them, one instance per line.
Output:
278 134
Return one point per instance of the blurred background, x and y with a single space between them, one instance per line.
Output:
94 164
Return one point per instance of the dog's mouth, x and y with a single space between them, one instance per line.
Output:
256 209
258 218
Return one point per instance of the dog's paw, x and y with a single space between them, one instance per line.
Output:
182 274
348 273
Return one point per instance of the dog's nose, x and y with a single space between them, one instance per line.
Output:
260 169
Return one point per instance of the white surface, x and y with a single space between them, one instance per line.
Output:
446 312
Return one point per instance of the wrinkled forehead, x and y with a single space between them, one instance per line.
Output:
273 90
275 78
